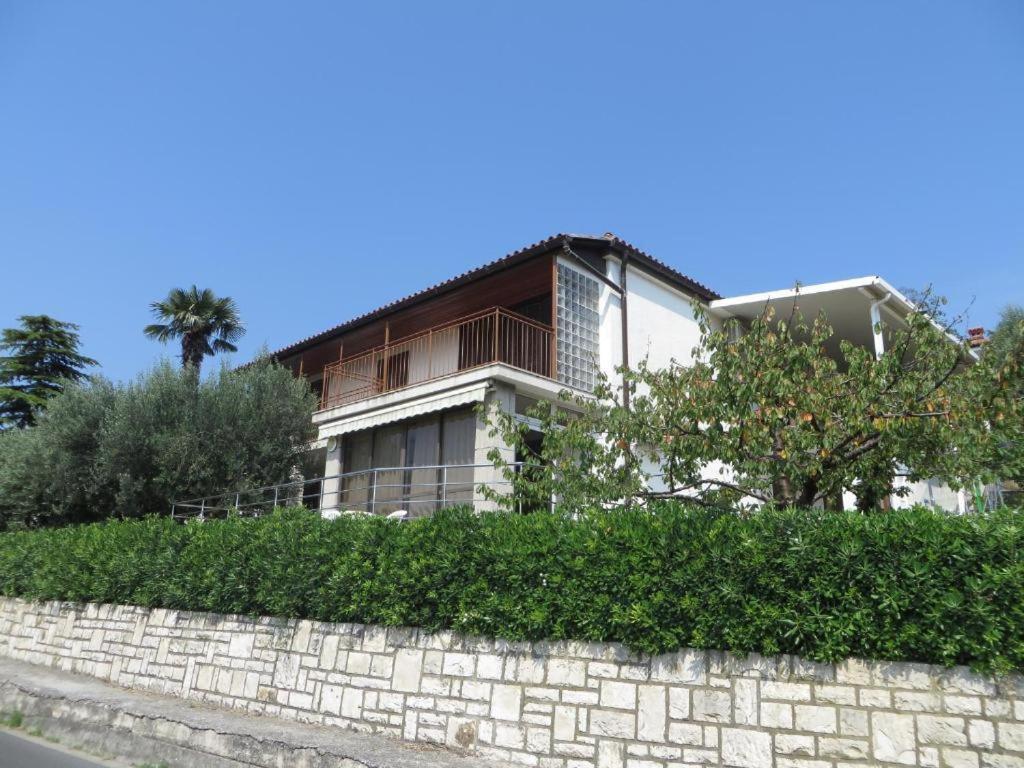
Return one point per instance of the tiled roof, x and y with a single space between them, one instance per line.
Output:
668 273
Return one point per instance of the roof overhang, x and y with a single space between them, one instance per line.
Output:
846 305
552 244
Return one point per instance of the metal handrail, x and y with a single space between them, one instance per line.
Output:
379 490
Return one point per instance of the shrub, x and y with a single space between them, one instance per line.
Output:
905 585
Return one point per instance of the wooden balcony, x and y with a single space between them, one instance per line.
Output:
495 335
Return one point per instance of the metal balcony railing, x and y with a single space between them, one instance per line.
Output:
407 492
494 336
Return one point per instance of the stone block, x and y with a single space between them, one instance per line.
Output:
843 749
610 754
744 699
618 694
358 663
854 672
407 671
981 733
835 694
476 690
679 703
352 703
538 740
509 736
240 645
565 723
875 698
902 674
853 722
776 714
685 733
938 730
526 669
330 699
602 669
963 680
569 672
489 666
893 739
1011 736
286 670
381 665
459 664
688 667
651 713
959 758
612 723
746 748
916 701
815 718
712 706
794 744
506 702
771 689
962 705
460 733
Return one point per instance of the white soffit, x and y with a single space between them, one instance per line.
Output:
441 401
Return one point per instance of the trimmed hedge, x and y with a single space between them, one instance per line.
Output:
907 585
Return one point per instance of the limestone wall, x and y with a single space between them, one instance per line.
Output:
553 705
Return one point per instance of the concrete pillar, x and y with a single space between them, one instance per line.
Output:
501 396
330 501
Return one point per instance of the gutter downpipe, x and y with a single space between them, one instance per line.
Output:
623 269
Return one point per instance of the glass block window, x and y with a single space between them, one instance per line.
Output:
578 323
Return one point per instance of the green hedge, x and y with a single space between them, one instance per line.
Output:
908 585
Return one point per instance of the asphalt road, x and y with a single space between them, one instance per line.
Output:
18 752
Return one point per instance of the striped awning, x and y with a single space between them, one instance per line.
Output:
388 414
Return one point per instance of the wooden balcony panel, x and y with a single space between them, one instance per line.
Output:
493 336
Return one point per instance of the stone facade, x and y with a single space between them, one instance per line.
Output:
552 705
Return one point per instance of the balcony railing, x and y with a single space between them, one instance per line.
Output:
493 336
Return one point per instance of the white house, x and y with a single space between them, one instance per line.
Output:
399 386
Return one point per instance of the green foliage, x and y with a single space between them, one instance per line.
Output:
44 359
12 720
103 450
777 411
204 323
907 585
1003 346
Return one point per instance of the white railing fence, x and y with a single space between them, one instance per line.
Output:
401 492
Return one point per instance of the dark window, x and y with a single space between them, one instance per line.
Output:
398 370
538 309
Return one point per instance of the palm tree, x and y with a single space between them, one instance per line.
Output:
205 324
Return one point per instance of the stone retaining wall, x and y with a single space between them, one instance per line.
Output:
553 705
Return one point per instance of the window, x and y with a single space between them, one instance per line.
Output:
578 323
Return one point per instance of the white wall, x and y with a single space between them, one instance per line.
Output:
662 327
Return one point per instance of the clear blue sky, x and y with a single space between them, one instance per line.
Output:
316 160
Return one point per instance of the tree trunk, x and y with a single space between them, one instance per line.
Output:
808 493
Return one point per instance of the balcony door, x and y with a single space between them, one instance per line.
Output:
416 465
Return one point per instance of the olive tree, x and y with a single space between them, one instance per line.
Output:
103 450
